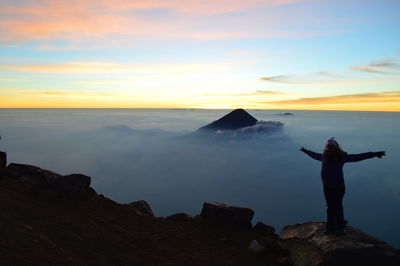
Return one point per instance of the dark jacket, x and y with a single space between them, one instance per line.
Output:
332 172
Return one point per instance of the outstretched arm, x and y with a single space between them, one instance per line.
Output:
363 156
314 155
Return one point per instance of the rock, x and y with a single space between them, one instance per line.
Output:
5 173
74 186
256 247
141 207
181 217
265 243
234 120
264 230
231 216
3 160
285 261
32 173
92 193
309 246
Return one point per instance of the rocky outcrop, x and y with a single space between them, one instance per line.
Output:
263 229
306 243
234 120
74 186
180 217
32 173
266 239
231 216
141 207
309 246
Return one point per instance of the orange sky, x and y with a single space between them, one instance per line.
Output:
260 54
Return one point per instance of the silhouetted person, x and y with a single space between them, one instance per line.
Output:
333 159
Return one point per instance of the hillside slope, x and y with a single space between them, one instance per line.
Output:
45 229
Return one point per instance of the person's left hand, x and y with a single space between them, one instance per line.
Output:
379 154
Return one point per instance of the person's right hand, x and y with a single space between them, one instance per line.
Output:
302 149
379 154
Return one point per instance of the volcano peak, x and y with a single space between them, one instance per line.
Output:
236 119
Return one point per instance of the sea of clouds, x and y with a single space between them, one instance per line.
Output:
151 155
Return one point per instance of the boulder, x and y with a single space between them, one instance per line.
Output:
180 217
265 243
141 207
309 246
231 216
264 230
256 247
3 160
32 173
73 186
266 239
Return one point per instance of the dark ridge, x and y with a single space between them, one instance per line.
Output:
50 219
236 119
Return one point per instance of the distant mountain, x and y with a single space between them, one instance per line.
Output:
234 120
122 129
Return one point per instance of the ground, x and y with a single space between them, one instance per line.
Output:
40 229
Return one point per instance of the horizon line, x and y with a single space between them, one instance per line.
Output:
188 108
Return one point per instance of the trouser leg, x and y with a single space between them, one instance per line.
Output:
329 198
341 192
334 198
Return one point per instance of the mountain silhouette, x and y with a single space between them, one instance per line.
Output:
236 119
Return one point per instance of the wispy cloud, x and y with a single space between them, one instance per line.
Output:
382 97
325 73
96 82
311 80
279 79
112 67
324 77
388 63
387 67
369 69
73 94
85 20
255 93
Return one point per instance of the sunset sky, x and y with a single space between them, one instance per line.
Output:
261 54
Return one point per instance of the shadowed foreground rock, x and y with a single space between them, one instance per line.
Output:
231 216
74 186
54 229
141 208
309 246
32 173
